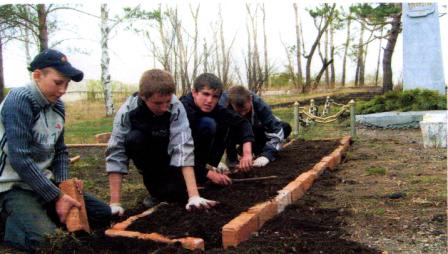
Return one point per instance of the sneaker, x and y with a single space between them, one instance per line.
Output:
150 201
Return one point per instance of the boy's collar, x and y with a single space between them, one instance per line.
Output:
40 98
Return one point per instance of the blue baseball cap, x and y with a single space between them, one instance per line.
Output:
55 59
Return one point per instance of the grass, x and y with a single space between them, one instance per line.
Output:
376 171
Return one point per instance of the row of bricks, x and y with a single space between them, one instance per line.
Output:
241 228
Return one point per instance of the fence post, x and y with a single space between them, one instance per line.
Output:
296 119
352 118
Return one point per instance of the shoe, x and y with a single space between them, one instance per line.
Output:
150 201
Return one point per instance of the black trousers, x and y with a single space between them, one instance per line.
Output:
151 158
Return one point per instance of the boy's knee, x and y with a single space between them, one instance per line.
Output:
206 126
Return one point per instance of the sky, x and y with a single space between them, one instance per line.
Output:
130 55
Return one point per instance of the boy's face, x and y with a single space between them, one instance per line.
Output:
206 99
158 104
51 83
245 110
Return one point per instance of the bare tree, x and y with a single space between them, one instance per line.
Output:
323 27
257 73
265 40
346 46
105 60
379 58
298 47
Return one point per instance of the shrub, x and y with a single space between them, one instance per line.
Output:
409 100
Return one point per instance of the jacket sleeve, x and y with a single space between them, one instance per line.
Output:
18 119
181 146
116 159
272 127
60 163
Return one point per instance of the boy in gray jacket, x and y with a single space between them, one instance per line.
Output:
34 158
152 129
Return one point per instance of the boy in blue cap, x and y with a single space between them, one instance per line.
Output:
34 158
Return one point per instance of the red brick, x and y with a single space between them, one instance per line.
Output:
77 217
239 229
330 160
306 180
295 189
103 137
265 211
346 140
282 200
320 167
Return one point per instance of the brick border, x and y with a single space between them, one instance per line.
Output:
240 228
244 225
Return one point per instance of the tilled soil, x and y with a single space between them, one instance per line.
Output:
174 221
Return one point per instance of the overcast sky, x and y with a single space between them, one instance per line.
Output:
130 56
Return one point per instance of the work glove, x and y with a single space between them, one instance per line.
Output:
261 161
116 209
198 203
223 169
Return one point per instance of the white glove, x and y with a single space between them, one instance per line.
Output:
198 202
260 162
223 169
116 209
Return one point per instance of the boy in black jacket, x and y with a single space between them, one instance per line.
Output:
210 123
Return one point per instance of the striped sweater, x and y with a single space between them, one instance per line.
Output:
32 151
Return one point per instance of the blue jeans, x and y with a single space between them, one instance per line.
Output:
29 220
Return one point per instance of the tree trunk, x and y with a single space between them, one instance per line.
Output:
321 72
344 59
359 59
313 49
298 49
266 61
327 74
388 52
332 71
105 59
2 79
379 58
43 30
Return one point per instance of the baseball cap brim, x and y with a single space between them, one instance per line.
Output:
69 71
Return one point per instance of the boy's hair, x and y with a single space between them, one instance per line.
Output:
208 80
156 81
238 96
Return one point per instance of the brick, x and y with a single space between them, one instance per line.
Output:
192 243
239 229
77 217
295 189
265 211
337 155
306 180
330 160
282 199
346 140
103 137
319 167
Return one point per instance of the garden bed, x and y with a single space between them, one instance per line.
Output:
174 222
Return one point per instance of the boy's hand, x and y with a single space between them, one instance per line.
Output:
245 163
218 178
63 206
198 203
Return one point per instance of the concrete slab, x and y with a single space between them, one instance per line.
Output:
395 120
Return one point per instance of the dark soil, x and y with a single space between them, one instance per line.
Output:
174 221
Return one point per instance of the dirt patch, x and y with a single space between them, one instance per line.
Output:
174 221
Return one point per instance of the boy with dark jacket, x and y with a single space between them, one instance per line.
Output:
269 131
210 124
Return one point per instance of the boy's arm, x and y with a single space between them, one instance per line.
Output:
17 117
60 163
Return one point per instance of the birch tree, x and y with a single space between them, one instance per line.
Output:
298 47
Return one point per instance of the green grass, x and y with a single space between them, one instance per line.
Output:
85 131
376 171
428 179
